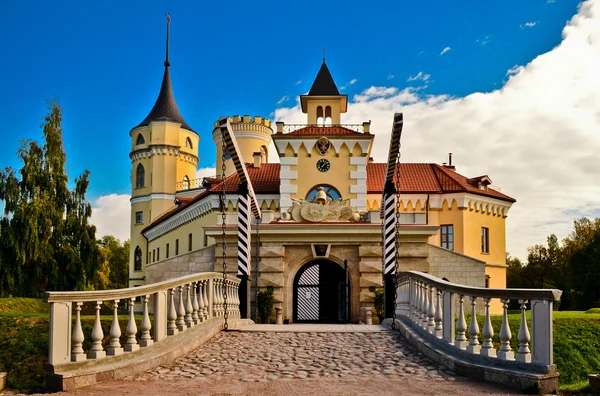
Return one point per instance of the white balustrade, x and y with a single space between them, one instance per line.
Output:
176 304
114 346
427 304
145 326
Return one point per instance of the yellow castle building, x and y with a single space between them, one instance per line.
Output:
320 237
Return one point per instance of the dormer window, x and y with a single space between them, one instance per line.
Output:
188 143
140 140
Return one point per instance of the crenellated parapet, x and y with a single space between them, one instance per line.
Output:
246 124
166 150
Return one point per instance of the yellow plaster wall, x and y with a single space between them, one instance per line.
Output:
194 227
338 175
451 214
497 236
335 104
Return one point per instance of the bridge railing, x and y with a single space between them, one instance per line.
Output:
429 304
176 304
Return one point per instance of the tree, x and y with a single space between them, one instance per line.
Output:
113 271
46 242
585 272
514 272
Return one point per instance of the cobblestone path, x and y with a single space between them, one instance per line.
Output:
262 357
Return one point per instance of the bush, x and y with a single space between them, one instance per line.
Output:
264 304
378 304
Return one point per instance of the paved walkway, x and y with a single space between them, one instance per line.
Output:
261 360
314 328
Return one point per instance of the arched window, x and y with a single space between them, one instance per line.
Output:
327 117
140 139
320 115
140 176
188 143
330 191
186 183
137 259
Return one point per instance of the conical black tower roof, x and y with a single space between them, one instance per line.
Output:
324 84
165 108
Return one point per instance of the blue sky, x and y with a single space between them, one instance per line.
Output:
104 61
510 87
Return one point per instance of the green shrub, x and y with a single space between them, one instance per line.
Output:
378 304
264 304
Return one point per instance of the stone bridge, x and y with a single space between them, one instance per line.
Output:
181 341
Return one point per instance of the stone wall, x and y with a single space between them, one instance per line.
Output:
201 260
455 267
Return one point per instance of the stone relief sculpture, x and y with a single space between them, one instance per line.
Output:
321 209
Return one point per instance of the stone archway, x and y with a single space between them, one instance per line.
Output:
321 293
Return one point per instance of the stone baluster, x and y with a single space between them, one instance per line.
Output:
474 346
189 308
505 352
181 311
439 328
415 298
431 312
425 302
524 354
195 305
77 354
97 352
145 326
419 315
216 298
487 348
131 344
230 303
172 315
220 307
114 346
461 325
234 297
205 299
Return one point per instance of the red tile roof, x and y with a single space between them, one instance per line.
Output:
427 178
415 178
313 130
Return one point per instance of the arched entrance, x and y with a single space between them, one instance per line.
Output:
321 293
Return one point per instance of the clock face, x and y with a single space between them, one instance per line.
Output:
323 165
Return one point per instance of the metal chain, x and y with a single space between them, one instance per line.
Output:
397 239
222 198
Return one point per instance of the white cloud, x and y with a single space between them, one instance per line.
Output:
484 40
351 82
419 76
111 214
284 98
445 50
390 77
206 172
513 71
298 82
527 24
537 137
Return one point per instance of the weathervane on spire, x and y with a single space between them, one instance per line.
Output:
167 64
323 54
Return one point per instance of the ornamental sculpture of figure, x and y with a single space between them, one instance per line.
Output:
321 209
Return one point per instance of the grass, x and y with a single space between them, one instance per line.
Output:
25 335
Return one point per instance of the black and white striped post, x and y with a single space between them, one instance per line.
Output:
244 249
389 247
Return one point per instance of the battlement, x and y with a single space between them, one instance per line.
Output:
246 119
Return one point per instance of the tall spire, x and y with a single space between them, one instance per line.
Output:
165 108
167 64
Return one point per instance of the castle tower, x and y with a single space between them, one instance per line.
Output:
324 104
164 151
253 135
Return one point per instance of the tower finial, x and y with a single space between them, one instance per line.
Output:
167 64
323 54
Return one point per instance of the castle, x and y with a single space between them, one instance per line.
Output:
320 236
